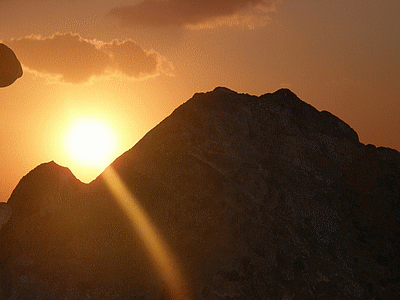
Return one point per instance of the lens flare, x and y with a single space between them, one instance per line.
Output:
163 258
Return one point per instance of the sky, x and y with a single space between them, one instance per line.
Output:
129 64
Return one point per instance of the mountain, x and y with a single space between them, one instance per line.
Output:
255 198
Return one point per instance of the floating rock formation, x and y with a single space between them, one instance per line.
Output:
10 67
257 197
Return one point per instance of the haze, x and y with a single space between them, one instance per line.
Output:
131 63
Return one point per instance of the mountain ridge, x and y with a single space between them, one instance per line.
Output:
258 197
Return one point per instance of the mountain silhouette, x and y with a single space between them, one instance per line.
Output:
256 197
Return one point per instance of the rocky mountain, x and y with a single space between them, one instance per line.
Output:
255 197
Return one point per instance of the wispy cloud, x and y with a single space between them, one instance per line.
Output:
70 58
195 13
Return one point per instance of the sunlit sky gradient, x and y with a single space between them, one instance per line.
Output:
131 63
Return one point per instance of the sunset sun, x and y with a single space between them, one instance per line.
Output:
90 142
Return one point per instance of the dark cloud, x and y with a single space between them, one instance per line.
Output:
73 59
194 13
131 60
10 67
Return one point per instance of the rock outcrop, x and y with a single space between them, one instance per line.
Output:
10 67
258 197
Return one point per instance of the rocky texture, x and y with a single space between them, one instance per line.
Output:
10 67
258 197
5 213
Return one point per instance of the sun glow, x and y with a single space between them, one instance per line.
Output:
90 142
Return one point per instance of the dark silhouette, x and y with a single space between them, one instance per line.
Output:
10 67
258 197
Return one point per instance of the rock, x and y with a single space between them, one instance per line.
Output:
258 197
10 67
5 213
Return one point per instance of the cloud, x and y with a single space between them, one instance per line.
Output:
10 67
70 58
195 13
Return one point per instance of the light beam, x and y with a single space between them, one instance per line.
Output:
163 258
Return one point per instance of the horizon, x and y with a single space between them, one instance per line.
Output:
134 71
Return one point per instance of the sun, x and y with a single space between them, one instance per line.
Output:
90 142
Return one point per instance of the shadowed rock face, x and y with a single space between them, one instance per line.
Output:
5 213
259 198
10 67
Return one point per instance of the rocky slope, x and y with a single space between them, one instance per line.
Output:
258 198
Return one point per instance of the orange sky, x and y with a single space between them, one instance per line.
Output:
131 63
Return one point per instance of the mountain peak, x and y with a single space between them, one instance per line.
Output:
221 89
286 92
34 188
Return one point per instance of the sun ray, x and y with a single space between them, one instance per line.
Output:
163 258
